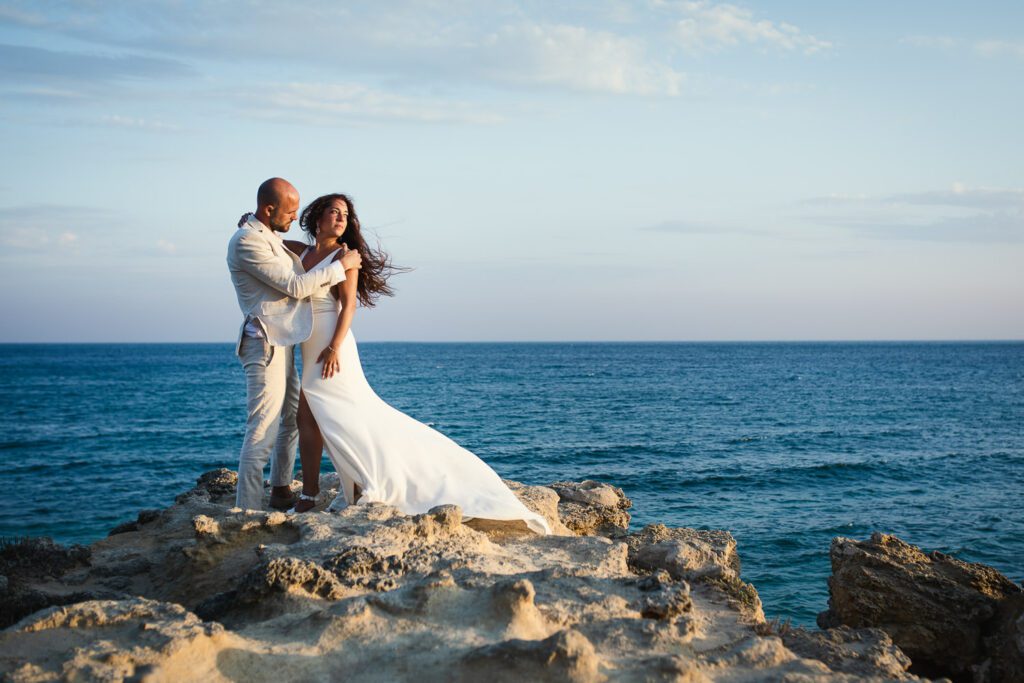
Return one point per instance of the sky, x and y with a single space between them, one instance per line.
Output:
594 170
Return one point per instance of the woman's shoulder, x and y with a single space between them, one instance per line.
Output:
296 246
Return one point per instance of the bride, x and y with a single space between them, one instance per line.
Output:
381 454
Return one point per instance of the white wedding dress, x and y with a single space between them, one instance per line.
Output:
394 458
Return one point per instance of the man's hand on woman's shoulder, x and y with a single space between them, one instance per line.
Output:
350 259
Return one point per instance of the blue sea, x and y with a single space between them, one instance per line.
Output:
786 445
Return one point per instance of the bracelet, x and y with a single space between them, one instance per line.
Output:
329 348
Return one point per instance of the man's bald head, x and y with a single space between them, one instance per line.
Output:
273 191
277 202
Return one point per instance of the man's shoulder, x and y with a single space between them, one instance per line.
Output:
247 236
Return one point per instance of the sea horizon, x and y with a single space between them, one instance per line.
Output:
558 341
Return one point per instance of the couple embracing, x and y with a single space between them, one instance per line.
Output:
293 294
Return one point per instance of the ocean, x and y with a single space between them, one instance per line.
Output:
786 445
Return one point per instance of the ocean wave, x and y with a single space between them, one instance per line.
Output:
784 473
808 437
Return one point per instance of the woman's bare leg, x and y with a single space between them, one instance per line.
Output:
311 450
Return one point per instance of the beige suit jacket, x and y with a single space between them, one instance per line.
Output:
272 287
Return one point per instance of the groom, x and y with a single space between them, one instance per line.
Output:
273 289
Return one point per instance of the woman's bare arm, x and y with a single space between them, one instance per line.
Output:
331 356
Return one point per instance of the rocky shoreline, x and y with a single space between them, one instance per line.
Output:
204 591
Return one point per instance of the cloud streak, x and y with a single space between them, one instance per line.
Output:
39 227
985 48
24 64
958 194
998 48
683 227
54 77
327 104
576 58
959 214
708 26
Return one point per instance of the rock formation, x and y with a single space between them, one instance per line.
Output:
204 591
952 618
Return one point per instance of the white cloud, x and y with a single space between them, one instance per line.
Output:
139 123
20 239
29 239
709 26
958 194
605 47
52 93
985 48
333 103
997 48
41 227
20 17
959 214
577 58
33 65
166 247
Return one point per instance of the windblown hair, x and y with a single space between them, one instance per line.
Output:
376 267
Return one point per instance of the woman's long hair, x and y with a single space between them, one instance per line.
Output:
376 267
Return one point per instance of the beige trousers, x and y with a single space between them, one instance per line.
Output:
272 398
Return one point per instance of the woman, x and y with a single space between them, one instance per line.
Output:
381 454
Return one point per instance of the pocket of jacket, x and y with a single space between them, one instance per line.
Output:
276 307
255 351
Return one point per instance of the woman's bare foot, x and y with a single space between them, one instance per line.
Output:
305 503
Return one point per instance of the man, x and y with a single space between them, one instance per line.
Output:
273 290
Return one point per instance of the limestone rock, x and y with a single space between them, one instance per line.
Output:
513 603
867 652
1005 642
684 553
25 561
362 567
543 501
139 638
565 656
144 517
215 485
709 557
936 608
667 603
34 556
591 492
591 508
290 574
324 596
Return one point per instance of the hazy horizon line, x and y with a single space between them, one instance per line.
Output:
554 341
